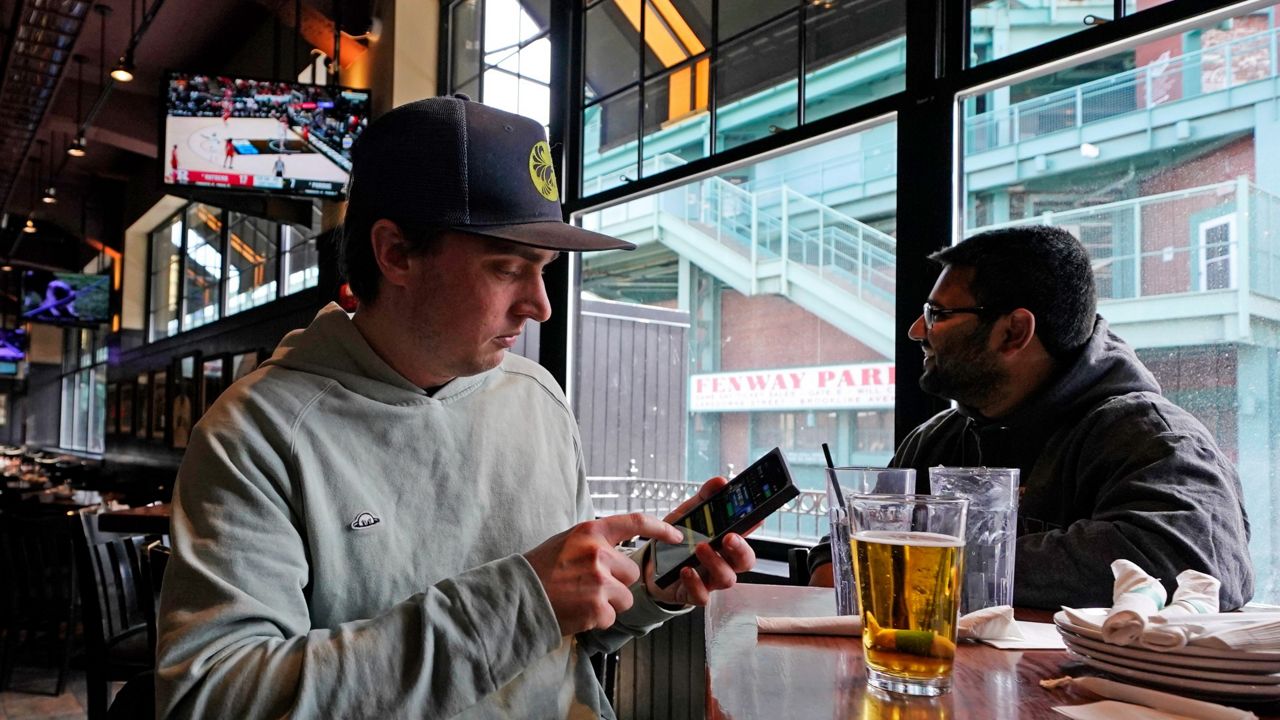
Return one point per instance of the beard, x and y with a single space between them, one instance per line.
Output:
966 371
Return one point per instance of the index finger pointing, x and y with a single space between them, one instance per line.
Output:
617 528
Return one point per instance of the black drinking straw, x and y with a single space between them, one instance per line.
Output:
826 451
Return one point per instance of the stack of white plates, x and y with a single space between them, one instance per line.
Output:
1220 674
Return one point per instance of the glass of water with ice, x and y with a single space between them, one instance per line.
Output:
991 530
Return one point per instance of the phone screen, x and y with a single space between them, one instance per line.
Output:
751 489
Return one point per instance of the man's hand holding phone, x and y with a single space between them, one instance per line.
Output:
717 569
585 577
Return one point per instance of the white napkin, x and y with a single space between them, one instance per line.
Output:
1113 710
1197 594
846 625
994 626
1168 705
1136 597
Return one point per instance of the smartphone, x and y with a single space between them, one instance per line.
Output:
753 495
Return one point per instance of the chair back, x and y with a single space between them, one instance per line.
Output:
112 580
38 590
38 567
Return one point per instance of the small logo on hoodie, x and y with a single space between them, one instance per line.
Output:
364 521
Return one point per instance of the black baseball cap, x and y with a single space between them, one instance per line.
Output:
449 162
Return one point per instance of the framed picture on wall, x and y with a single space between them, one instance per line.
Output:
185 398
113 409
142 412
244 363
159 404
126 408
213 379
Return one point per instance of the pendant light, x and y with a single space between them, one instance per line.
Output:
77 146
123 71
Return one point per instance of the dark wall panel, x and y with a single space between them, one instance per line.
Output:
632 389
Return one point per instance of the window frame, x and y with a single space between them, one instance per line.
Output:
179 216
929 109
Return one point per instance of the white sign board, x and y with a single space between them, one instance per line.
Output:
829 387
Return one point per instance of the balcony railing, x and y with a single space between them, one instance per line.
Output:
802 520
1220 67
1184 241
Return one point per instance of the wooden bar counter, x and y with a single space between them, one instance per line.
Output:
802 676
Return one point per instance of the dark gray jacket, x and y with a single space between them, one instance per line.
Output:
1110 469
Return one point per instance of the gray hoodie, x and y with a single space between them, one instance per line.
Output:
1110 469
346 545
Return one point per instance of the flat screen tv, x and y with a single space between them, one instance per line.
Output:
65 298
260 135
13 344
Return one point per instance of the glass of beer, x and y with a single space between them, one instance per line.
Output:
908 556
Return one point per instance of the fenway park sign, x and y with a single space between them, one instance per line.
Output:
809 388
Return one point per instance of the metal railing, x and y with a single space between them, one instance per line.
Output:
1192 240
1220 67
776 222
803 520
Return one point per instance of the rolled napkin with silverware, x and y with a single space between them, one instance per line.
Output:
1197 594
1136 596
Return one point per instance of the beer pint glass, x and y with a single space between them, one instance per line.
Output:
908 556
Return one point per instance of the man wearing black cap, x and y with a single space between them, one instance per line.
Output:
390 517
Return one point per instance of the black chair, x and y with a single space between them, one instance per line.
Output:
38 567
157 560
114 583
798 566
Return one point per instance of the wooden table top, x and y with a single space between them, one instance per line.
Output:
790 676
146 520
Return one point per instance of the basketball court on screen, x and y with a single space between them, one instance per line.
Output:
256 142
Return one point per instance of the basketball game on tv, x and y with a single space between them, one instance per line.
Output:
258 135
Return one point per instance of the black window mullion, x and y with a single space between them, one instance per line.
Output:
182 268
926 172
565 129
640 88
225 261
282 278
800 63
149 295
483 61
713 54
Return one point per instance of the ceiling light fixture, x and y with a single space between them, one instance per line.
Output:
77 146
30 227
50 194
123 71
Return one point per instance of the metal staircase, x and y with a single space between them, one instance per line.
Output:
774 241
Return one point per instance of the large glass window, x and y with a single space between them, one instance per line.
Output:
166 248
192 278
658 77
299 255
756 312
82 424
251 262
1162 160
202 266
500 54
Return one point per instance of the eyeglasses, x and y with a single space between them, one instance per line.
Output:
932 313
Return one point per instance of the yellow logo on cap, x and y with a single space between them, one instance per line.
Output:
542 172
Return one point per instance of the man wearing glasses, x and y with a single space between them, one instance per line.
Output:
1109 467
